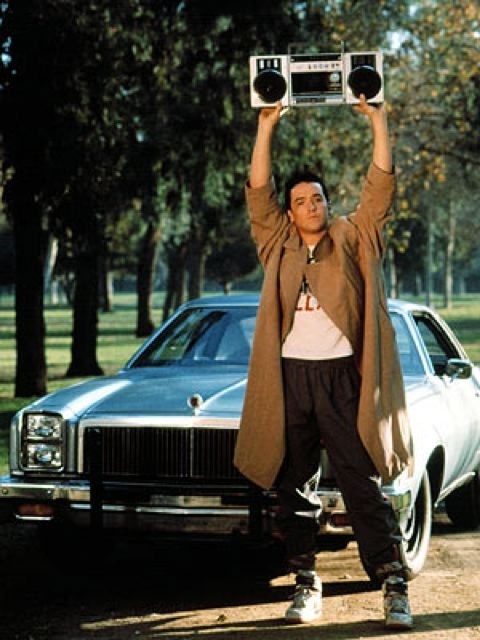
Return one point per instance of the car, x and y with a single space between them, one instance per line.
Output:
150 449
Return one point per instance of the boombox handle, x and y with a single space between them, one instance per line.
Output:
294 45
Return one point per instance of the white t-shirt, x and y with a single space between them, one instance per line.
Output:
313 335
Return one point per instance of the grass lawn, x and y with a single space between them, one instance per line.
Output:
464 318
117 342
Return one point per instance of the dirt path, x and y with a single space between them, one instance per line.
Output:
215 595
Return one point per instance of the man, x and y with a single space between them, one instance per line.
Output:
324 369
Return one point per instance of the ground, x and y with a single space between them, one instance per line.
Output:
218 594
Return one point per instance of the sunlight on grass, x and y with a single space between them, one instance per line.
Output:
464 318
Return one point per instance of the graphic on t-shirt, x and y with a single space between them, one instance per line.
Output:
307 302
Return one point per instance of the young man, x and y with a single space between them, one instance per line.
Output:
324 369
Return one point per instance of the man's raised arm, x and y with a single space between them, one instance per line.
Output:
382 152
261 165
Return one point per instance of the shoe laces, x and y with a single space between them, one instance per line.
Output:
303 594
396 594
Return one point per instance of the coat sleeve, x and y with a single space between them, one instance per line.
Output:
267 220
373 210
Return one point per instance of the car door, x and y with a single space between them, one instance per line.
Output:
460 397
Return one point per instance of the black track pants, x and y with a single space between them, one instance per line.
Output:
321 403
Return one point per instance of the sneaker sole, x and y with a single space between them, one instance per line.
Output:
398 625
302 619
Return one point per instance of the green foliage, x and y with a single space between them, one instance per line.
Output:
117 116
434 83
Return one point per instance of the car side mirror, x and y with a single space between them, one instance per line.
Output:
458 368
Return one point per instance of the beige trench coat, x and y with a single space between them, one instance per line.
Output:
347 281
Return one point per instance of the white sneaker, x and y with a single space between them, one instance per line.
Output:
307 601
396 606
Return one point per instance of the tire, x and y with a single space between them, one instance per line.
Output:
416 529
463 505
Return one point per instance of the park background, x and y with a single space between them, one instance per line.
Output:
125 138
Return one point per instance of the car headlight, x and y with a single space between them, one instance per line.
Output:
42 441
43 427
42 456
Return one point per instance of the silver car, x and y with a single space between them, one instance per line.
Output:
150 449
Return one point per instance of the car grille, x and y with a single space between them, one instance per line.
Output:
166 453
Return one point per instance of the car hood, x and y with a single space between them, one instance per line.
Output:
145 391
165 391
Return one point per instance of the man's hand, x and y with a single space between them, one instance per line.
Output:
269 117
370 110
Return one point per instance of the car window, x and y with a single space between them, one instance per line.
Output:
437 344
409 359
203 335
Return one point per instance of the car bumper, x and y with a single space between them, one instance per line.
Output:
220 514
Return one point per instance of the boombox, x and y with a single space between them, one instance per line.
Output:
306 80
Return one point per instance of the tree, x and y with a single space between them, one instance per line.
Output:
89 147
127 130
437 89
209 115
66 140
25 106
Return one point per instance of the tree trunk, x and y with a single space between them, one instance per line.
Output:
175 291
391 272
145 275
105 288
196 264
85 318
49 265
449 251
31 368
429 263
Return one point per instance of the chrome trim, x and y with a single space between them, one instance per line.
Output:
20 490
79 491
164 510
463 479
33 518
169 514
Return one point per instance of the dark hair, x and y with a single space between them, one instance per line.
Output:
302 176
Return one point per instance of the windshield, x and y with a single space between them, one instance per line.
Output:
203 335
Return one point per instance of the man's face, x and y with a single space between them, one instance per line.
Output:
308 208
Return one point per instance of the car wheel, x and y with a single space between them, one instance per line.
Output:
416 529
463 504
